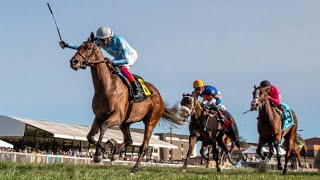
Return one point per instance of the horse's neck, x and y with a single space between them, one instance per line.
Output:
268 112
101 76
198 110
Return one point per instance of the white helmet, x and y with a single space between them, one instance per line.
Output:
104 32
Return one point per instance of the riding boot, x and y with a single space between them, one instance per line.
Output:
136 89
220 118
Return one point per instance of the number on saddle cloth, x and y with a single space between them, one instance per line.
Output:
144 87
287 118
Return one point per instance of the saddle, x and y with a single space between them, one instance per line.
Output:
212 113
146 93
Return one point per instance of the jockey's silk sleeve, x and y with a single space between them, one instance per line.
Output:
72 46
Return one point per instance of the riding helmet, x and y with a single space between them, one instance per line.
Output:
198 83
104 32
265 83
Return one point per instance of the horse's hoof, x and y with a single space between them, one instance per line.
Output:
183 170
280 167
97 159
218 170
132 174
284 173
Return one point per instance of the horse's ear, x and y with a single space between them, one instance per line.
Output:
92 37
255 87
183 95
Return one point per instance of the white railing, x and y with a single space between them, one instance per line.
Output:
34 158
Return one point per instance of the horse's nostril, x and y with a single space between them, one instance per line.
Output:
257 104
75 61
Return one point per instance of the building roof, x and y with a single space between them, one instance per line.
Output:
15 126
5 144
312 141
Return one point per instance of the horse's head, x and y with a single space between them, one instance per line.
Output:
86 55
260 97
189 105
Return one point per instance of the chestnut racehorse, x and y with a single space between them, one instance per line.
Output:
269 127
110 102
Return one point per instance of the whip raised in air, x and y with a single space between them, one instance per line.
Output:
54 21
247 111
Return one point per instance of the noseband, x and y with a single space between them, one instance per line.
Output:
190 111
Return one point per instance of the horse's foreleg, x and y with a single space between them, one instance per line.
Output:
192 142
93 131
271 151
98 155
277 146
259 148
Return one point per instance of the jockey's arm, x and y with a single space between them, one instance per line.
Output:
72 46
276 101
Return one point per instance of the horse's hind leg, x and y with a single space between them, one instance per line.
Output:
234 135
127 140
149 126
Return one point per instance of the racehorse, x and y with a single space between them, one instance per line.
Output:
110 102
226 140
269 127
192 107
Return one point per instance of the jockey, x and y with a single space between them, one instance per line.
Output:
211 97
274 94
116 46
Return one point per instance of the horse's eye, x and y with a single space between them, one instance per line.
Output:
88 49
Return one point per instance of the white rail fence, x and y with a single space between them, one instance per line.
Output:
32 158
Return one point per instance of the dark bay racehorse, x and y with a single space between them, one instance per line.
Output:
269 127
192 107
110 102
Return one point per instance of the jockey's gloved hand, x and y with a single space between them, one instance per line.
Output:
62 44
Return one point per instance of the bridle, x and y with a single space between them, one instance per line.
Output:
87 60
256 94
194 103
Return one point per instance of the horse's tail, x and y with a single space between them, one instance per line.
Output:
171 115
233 126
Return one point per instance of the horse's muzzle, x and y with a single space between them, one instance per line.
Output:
75 64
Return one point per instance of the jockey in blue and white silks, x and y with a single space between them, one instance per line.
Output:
116 46
211 96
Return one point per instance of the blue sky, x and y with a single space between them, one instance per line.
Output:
229 44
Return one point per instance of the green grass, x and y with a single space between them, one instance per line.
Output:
64 171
